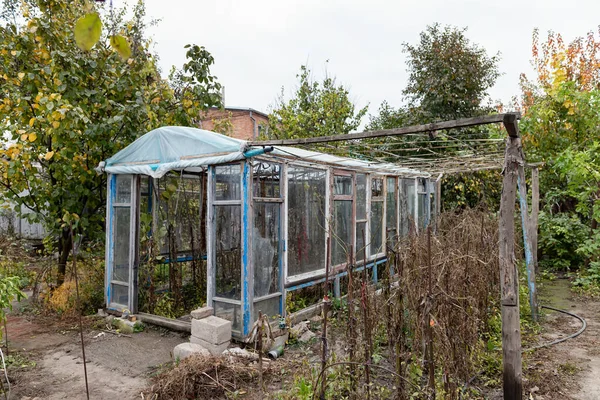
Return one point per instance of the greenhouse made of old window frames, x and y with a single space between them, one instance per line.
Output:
195 217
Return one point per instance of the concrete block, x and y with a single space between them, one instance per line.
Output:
203 312
214 349
184 350
212 329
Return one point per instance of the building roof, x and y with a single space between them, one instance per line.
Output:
247 109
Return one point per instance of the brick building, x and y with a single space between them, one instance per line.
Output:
246 123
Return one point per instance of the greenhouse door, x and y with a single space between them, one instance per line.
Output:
121 239
267 204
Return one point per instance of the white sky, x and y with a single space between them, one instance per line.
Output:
259 45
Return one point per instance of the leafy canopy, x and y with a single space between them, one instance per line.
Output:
561 115
315 109
64 110
448 74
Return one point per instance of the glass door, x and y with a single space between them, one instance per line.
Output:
122 239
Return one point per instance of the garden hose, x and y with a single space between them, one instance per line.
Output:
574 335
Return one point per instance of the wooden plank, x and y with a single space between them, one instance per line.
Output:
510 123
509 118
173 324
511 332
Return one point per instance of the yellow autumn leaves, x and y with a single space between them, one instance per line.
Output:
87 33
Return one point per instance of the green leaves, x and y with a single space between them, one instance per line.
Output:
121 46
87 31
315 109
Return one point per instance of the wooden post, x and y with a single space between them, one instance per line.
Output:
528 228
509 283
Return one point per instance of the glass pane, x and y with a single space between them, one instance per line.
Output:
269 307
121 231
422 213
266 178
342 228
410 200
376 227
228 263
227 182
179 213
123 194
119 294
265 248
390 212
376 187
342 185
361 196
360 240
230 312
306 220
403 199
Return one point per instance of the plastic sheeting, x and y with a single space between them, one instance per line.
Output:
174 148
346 162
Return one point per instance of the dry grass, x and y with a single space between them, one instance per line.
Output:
199 377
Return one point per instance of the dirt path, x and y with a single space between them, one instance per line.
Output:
569 370
118 367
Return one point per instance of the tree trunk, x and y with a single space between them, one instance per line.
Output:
64 249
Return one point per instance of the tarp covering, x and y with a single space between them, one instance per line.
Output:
174 148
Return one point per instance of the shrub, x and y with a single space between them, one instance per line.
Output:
560 237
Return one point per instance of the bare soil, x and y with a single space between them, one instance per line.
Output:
50 351
571 369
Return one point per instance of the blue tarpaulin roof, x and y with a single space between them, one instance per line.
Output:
174 148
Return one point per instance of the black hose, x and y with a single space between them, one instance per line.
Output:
574 335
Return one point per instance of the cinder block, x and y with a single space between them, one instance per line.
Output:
203 312
212 329
214 349
185 350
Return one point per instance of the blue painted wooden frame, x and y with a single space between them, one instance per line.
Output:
247 277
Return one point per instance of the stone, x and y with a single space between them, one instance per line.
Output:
203 312
123 325
237 352
184 350
213 330
298 329
306 336
280 341
214 349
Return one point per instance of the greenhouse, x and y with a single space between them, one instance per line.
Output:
195 217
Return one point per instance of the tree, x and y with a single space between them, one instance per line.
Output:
65 110
448 79
448 75
561 116
315 109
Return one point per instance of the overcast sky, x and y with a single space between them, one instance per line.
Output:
259 45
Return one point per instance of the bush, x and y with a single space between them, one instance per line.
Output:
560 237
63 300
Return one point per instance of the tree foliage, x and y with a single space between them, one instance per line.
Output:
561 116
315 109
449 76
64 110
